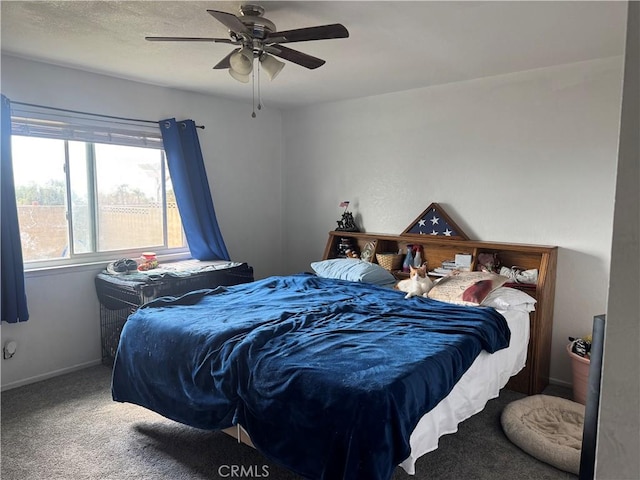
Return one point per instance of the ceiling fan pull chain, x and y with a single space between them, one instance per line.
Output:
259 91
253 91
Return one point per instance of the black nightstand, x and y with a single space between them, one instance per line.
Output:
121 295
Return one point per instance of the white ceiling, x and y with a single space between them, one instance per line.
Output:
393 46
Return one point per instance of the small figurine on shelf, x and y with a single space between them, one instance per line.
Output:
346 223
351 254
408 259
417 258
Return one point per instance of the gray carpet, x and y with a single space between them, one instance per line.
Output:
69 428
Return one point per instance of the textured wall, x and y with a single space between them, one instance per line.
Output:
527 157
619 429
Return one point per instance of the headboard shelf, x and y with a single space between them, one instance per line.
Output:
535 376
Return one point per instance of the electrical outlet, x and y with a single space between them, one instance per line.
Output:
9 349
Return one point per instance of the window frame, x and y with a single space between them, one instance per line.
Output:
58 127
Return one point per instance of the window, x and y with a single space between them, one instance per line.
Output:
80 200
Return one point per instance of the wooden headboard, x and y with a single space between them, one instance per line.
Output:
535 376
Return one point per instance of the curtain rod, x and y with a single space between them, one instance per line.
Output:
89 113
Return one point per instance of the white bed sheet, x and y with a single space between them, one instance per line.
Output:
487 375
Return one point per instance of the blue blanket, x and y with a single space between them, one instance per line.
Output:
328 377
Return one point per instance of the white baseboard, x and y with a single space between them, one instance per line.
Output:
560 383
45 376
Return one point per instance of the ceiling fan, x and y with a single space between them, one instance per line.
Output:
257 38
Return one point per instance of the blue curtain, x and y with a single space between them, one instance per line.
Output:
14 297
191 187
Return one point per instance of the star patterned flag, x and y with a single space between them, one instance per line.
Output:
344 204
433 223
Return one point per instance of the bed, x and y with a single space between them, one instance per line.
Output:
330 378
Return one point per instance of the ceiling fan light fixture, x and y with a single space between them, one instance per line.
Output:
254 38
239 77
242 61
271 65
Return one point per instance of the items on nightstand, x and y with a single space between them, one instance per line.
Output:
148 261
121 266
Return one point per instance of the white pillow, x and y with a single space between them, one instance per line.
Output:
507 298
353 269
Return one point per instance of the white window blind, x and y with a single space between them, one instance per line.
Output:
51 123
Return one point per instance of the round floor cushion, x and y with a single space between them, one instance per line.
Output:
548 428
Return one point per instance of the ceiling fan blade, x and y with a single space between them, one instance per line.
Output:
295 56
323 32
229 20
189 39
224 63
